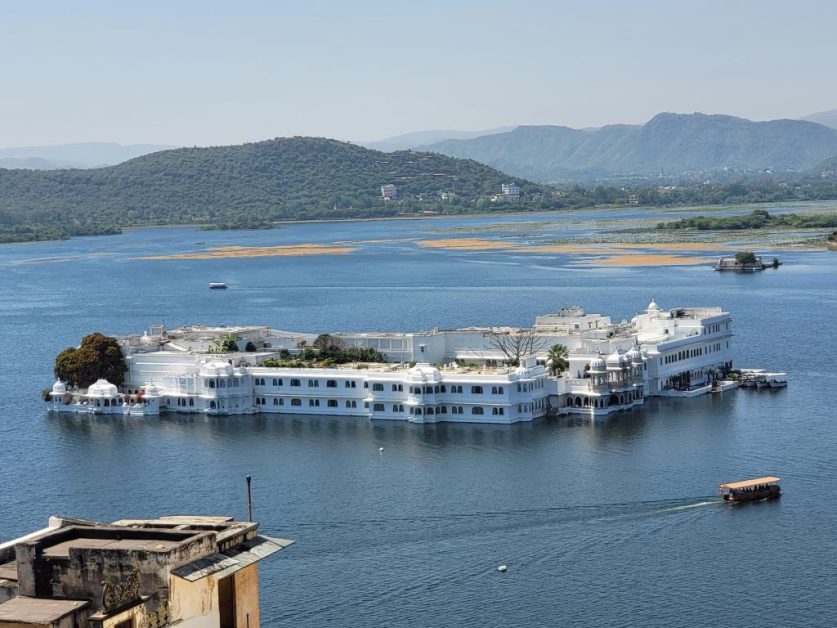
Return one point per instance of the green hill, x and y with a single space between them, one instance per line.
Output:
248 185
669 143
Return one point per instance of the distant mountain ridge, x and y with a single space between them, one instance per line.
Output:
409 141
83 155
827 118
669 143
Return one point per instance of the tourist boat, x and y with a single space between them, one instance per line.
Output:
217 285
766 487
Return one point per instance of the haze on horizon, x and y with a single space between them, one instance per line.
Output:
211 73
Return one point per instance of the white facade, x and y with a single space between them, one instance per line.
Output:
510 191
611 367
389 192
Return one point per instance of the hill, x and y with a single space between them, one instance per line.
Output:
419 138
85 155
669 143
240 186
827 118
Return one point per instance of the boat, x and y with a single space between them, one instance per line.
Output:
766 487
217 285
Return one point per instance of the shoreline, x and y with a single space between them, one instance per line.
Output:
476 215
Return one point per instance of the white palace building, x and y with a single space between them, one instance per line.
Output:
611 367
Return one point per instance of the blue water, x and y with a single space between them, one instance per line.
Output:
606 523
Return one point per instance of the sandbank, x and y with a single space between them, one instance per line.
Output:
220 252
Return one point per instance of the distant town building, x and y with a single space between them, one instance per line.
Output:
633 199
510 191
388 192
448 196
182 570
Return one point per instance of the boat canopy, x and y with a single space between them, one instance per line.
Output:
768 479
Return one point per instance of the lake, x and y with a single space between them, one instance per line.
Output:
612 522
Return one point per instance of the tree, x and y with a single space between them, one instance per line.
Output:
516 343
250 347
98 357
225 344
326 342
745 258
556 360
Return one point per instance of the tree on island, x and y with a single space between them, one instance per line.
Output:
516 343
225 344
746 258
98 357
556 360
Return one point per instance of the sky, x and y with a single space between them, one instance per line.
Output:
213 73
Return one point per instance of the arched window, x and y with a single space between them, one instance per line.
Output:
212 405
191 401
477 410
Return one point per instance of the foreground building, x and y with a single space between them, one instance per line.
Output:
190 571
436 375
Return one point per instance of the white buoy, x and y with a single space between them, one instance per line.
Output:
380 448
502 568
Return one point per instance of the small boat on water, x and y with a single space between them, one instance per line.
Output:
217 285
766 487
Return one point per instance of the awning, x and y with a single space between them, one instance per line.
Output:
226 563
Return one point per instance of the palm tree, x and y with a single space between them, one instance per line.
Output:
556 360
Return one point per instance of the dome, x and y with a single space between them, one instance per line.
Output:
597 364
635 355
59 387
653 307
217 368
102 388
615 359
150 390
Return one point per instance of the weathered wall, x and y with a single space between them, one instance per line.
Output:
247 597
194 604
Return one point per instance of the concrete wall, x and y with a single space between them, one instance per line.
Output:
247 597
194 604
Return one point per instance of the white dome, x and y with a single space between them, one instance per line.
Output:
102 388
615 359
653 307
150 390
635 356
59 387
598 364
217 368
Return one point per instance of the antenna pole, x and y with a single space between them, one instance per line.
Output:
249 499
